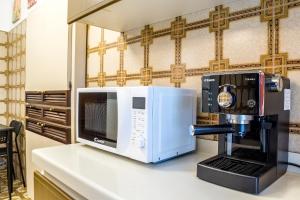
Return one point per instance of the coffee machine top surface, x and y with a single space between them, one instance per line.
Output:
242 93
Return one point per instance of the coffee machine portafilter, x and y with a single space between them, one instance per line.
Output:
252 129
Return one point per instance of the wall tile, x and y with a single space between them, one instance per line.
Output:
295 89
111 61
132 83
94 35
239 42
237 5
290 34
198 48
134 58
162 53
3 37
161 82
93 63
245 41
111 36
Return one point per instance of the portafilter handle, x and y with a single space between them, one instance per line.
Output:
211 129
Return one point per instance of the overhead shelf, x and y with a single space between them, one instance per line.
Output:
125 15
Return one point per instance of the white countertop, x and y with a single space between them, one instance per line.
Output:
98 175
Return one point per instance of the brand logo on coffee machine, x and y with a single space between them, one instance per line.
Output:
99 141
250 79
209 80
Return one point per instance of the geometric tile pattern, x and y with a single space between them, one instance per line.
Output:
121 77
217 22
14 87
278 8
146 75
178 73
147 35
178 28
218 65
219 19
275 64
121 43
101 79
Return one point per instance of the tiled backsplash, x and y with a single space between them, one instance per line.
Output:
239 35
12 81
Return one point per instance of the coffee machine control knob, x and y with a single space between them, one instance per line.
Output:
275 83
225 99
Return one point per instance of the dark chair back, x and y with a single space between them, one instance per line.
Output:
3 138
17 126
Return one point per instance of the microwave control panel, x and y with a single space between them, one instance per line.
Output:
138 121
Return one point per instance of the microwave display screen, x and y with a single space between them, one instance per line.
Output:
138 103
98 117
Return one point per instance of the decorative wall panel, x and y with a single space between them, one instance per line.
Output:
239 35
12 70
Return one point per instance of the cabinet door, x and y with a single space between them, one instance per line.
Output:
44 189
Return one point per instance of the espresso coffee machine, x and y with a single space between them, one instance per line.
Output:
253 110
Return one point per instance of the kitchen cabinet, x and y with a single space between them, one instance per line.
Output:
125 15
44 189
48 114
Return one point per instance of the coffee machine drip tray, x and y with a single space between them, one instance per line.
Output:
236 174
235 166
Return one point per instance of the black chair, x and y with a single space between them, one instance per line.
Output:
3 150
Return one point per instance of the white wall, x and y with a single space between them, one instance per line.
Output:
6 7
5 15
46 64
47 47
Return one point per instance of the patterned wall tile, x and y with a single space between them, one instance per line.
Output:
121 77
219 19
146 75
161 82
245 41
275 63
239 5
178 51
147 35
111 61
295 88
162 53
93 64
177 73
178 28
111 36
94 35
198 48
273 8
134 58
219 65
101 79
289 33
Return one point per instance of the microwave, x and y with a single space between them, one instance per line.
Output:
147 123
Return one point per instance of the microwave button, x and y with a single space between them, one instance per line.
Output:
141 142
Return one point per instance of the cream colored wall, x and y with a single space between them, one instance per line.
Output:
46 64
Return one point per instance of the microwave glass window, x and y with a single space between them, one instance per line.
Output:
98 117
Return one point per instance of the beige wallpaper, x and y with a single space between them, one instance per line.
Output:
241 35
12 81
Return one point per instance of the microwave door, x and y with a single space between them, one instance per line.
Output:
112 117
98 118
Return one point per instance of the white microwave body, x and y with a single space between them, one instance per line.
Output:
146 123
